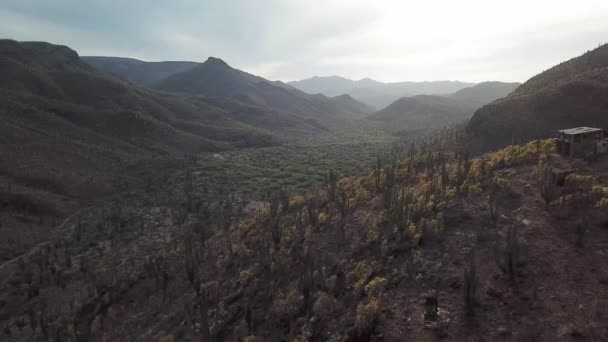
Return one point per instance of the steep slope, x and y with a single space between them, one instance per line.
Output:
218 79
136 71
374 93
572 94
484 93
421 112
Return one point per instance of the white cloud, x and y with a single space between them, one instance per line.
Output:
390 40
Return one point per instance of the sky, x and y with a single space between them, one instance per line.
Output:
387 40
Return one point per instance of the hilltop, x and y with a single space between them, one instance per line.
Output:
571 94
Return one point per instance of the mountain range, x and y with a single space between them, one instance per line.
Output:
327 100
57 102
216 78
375 93
58 113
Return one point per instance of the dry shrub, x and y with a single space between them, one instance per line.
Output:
359 276
304 335
240 331
168 338
245 277
336 338
297 201
287 304
375 288
367 316
324 305
331 283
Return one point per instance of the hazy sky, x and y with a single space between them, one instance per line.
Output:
392 40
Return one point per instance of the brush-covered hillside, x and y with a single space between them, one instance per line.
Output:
424 112
421 112
429 245
571 94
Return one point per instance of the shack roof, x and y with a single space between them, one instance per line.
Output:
579 130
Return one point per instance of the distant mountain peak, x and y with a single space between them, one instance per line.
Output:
344 96
215 61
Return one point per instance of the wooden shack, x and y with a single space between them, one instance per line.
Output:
581 142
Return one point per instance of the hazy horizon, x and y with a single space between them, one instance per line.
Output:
388 41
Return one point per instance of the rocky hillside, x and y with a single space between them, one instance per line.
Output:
435 246
572 94
136 71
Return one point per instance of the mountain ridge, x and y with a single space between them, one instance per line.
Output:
422 112
216 78
138 71
571 94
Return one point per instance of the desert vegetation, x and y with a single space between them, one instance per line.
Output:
341 262
214 215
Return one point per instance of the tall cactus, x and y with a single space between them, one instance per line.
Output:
331 181
512 252
307 278
313 214
470 285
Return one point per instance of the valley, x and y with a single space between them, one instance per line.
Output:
181 201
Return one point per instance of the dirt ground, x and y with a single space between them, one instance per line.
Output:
560 292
